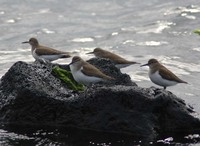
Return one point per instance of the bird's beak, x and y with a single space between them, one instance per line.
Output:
70 64
90 53
144 65
25 42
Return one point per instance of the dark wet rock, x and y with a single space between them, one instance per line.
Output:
31 94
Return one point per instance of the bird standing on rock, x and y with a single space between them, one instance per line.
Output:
160 75
85 73
119 61
45 54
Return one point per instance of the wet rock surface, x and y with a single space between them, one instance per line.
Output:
31 94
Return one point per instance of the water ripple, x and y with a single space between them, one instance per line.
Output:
47 31
188 16
184 11
196 49
10 21
151 43
42 11
182 67
2 12
179 10
156 27
82 40
147 43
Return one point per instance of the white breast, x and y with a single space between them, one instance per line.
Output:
82 78
36 56
157 79
51 57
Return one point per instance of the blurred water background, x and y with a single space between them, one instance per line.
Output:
136 30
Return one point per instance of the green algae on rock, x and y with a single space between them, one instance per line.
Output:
67 77
197 31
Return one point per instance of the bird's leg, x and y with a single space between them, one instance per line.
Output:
46 63
85 91
36 62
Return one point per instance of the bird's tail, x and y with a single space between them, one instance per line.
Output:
109 78
184 82
66 56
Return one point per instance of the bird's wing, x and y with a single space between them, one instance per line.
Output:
46 51
116 58
168 75
91 70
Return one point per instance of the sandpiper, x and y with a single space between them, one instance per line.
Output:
160 75
45 54
119 61
86 73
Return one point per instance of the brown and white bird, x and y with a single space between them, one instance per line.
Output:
160 75
43 53
119 61
85 73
